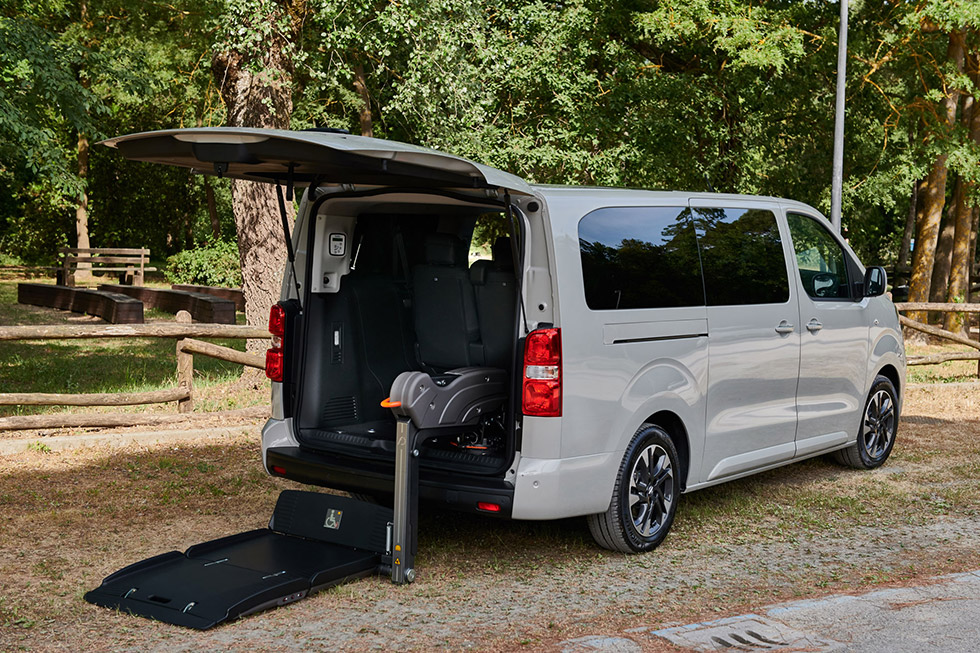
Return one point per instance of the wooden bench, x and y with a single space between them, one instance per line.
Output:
203 308
234 294
110 306
130 263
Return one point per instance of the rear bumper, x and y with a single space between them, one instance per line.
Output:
377 478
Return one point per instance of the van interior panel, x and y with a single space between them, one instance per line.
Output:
411 303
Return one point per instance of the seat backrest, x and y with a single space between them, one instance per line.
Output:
495 289
445 308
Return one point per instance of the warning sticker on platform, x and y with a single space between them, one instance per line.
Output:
333 519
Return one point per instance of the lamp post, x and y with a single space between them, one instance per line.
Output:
838 173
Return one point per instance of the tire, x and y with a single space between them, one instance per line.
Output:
879 426
640 513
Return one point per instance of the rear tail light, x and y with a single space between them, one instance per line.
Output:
542 373
486 506
274 358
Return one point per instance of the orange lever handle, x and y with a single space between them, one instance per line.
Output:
388 403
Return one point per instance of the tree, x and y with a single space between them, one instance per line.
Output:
253 69
961 212
932 191
74 73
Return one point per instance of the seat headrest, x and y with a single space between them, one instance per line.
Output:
503 255
478 271
441 249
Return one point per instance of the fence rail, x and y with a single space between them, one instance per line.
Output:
187 346
940 333
180 330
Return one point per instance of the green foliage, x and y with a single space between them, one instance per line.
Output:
128 66
210 265
729 95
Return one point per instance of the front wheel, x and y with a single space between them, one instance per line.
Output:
879 425
645 495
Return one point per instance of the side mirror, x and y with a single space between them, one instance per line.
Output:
875 281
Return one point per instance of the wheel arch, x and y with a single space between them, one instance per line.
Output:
674 426
888 371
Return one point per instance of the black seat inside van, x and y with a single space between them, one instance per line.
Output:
495 289
446 321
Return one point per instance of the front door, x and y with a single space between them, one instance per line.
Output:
835 335
754 339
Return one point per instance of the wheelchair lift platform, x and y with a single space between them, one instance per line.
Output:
314 541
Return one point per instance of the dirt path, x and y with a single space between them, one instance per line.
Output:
804 531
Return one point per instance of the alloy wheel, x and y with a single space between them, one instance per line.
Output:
651 491
879 424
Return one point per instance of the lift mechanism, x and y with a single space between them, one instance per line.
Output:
314 540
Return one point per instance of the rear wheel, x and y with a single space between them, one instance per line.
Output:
645 495
879 424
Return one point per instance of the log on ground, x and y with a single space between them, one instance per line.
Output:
92 399
82 420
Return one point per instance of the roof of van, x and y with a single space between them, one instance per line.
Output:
554 191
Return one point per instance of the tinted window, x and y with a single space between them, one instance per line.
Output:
819 257
640 257
742 257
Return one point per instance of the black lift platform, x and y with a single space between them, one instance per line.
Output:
314 541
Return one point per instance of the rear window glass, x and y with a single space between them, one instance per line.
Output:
741 256
640 257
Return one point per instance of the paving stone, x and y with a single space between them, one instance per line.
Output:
749 632
601 643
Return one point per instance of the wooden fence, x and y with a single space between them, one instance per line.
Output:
187 334
183 332
940 333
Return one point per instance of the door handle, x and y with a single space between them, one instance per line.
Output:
814 325
784 328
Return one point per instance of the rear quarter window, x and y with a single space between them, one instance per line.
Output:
640 257
741 256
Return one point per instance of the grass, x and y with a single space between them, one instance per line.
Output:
109 364
949 372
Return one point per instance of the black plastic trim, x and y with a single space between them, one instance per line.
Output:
377 478
688 336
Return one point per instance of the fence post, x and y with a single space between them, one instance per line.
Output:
185 368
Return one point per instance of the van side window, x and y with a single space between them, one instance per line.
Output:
742 257
640 257
819 257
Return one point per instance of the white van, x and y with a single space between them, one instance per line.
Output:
615 348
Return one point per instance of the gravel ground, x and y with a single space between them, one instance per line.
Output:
808 530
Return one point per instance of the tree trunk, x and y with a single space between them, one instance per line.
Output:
963 241
211 203
360 85
256 87
932 196
84 271
903 252
944 252
973 244
959 275
212 210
